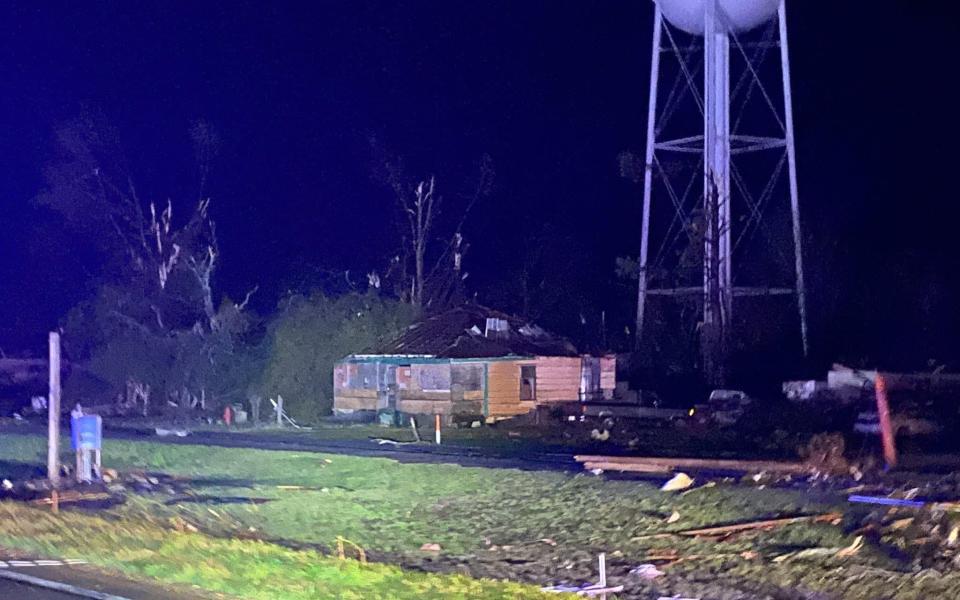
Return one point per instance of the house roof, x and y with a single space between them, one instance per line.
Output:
462 333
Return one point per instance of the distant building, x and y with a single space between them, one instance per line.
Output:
471 361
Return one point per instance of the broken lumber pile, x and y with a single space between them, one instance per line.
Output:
638 464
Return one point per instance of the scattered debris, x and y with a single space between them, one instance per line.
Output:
430 547
806 553
666 465
72 496
598 435
548 541
728 530
680 481
171 432
599 589
646 571
886 501
673 518
361 553
852 548
389 442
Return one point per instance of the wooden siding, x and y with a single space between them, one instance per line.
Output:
558 379
503 389
346 399
439 407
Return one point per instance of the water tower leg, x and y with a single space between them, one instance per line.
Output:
717 273
792 170
648 176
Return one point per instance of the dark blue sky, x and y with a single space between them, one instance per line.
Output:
552 90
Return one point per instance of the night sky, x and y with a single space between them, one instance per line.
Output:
551 90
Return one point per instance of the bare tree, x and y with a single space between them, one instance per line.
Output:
93 188
419 203
421 207
160 268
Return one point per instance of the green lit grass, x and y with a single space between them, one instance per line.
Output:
245 569
489 523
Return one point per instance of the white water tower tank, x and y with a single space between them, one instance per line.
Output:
741 15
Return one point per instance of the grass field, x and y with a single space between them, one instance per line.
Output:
280 512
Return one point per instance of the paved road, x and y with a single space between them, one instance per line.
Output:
558 460
465 456
18 591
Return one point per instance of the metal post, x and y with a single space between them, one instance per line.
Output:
722 141
792 170
648 174
717 291
53 412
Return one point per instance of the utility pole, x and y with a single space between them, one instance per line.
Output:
53 412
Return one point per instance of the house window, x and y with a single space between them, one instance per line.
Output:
528 383
469 377
435 378
363 376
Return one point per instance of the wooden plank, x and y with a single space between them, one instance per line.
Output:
431 396
421 407
354 393
642 464
350 403
609 466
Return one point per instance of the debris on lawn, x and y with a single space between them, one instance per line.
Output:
807 553
590 589
171 432
430 547
727 530
724 531
885 501
646 571
342 542
112 490
386 441
680 481
600 436
640 464
72 496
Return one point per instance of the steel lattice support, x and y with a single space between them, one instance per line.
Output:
715 147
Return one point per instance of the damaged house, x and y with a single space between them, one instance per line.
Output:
471 361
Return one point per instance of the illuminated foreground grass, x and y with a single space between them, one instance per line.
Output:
246 569
535 527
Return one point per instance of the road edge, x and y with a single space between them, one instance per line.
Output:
57 586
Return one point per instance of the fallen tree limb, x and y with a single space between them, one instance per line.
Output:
725 530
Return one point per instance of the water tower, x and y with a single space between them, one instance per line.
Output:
704 134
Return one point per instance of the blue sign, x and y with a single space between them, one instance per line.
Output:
86 432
